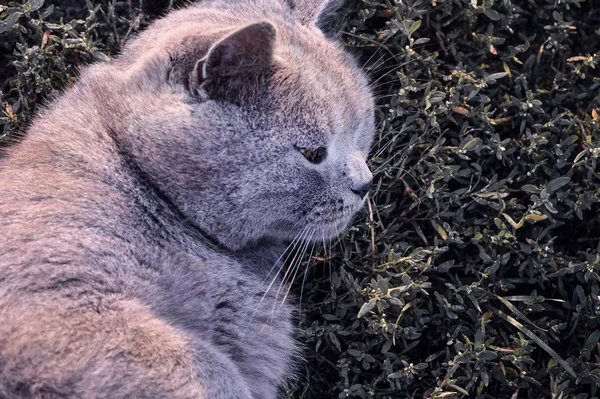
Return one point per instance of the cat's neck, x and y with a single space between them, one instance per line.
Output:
263 258
166 220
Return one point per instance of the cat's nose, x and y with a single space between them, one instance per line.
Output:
362 189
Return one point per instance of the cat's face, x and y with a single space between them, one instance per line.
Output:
261 133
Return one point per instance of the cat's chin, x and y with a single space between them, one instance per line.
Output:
331 231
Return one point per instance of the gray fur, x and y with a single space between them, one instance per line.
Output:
140 216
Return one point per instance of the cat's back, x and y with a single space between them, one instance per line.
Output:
67 231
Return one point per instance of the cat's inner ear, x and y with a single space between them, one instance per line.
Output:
245 52
319 13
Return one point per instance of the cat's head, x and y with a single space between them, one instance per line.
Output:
253 121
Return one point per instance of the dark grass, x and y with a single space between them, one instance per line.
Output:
475 270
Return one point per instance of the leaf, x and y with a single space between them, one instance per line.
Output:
48 11
557 16
492 14
534 217
45 37
459 389
367 307
487 355
517 312
335 341
530 188
484 256
100 56
557 183
495 76
33 5
355 353
536 339
441 231
492 195
460 110
512 222
413 28
8 23
579 156
591 342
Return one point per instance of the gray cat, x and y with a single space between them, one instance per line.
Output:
142 215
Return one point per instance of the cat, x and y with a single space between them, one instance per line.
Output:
142 215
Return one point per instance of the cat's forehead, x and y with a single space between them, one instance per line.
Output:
322 81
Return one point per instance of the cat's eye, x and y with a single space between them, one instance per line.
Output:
313 155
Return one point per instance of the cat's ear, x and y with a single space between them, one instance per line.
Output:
243 54
319 13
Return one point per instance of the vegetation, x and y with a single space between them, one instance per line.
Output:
475 269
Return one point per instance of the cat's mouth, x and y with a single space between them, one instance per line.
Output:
328 224
332 227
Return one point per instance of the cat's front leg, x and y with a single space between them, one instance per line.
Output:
121 351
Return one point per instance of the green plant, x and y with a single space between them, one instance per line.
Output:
474 272
40 51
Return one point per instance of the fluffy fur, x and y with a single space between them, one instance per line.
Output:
142 213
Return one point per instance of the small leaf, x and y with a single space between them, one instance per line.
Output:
441 231
579 156
495 76
355 353
488 355
557 183
335 341
530 188
535 217
492 14
420 41
460 110
33 5
413 28
512 222
45 37
367 307
591 342
100 56
7 24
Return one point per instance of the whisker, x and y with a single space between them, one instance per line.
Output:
295 261
297 251
292 245
282 254
371 57
291 270
328 255
299 264
302 290
304 279
375 66
372 85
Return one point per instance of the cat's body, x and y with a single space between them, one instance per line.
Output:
141 216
